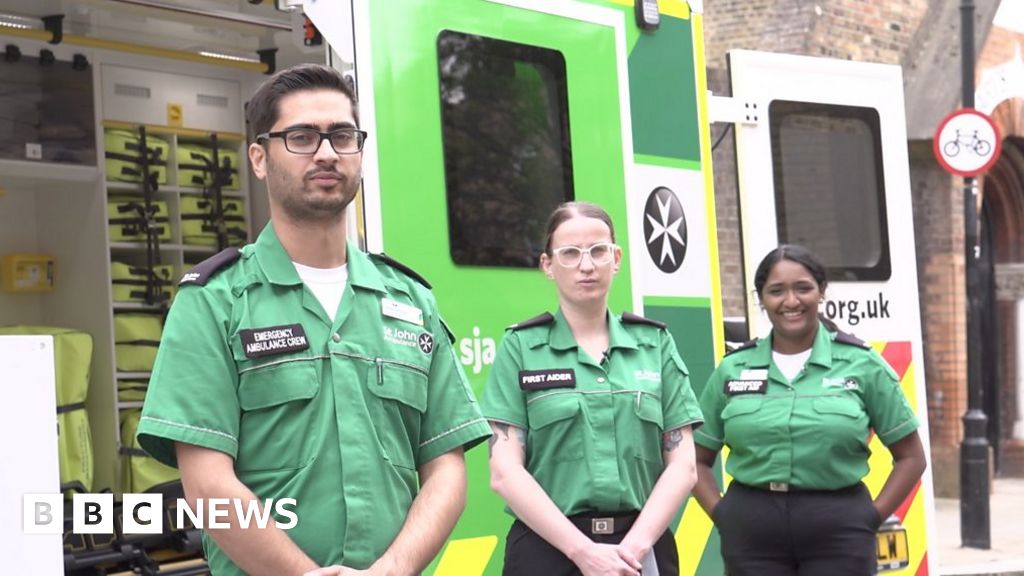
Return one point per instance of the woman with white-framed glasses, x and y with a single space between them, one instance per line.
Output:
592 415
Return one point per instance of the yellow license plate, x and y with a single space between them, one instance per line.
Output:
893 549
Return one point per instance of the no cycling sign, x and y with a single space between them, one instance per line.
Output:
967 142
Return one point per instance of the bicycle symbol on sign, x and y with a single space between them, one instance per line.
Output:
970 143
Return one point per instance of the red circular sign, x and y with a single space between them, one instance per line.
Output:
967 142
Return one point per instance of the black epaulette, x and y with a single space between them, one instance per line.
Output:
630 318
408 271
201 273
545 318
850 339
745 346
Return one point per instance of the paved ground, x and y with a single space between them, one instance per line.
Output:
1006 557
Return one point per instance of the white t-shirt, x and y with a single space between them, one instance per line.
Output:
327 284
790 364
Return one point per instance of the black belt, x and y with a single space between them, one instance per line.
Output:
786 487
604 523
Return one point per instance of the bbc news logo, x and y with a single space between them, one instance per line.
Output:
144 513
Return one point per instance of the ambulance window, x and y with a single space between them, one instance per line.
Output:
507 158
829 186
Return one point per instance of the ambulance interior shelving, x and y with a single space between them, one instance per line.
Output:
122 164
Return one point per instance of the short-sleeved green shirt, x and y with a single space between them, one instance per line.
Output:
812 432
338 416
594 440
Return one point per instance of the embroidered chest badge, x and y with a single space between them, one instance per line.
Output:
738 387
842 383
273 340
647 375
530 380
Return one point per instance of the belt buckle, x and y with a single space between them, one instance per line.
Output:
778 486
602 525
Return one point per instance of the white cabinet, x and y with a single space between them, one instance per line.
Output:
28 375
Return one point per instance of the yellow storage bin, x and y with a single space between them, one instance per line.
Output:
136 339
129 282
199 227
127 216
195 165
123 152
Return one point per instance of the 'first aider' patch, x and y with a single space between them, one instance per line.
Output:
531 380
272 340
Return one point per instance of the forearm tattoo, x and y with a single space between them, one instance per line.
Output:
502 432
670 440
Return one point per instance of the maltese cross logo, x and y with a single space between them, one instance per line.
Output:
665 229
426 342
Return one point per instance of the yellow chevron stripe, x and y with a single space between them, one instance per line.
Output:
692 536
466 557
880 464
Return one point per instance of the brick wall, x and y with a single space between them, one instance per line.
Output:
938 234
865 30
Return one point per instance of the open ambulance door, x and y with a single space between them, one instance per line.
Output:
821 154
483 116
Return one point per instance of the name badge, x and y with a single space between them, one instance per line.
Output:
532 380
403 312
259 342
737 387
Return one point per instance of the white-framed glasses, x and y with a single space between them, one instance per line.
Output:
600 254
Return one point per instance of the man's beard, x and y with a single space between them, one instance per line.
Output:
300 206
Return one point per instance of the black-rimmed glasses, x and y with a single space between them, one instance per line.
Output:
308 141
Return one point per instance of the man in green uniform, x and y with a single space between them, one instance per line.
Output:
302 368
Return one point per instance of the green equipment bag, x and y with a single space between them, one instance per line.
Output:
132 390
199 227
139 471
124 151
72 359
196 168
129 282
136 339
128 217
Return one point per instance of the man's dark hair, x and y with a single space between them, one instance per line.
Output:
262 110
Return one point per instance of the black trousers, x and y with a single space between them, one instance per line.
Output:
527 554
812 533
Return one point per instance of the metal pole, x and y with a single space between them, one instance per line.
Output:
974 451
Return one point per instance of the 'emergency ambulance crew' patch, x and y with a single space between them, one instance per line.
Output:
737 387
273 340
530 380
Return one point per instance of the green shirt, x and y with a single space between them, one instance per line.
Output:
338 416
812 432
594 427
